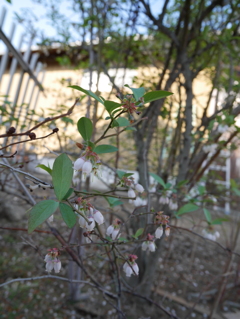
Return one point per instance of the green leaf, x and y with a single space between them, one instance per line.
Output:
130 128
158 179
120 173
155 95
138 232
85 128
207 215
138 93
111 106
45 168
201 189
122 121
100 149
68 194
41 212
62 174
236 191
68 215
113 201
187 209
88 92
218 221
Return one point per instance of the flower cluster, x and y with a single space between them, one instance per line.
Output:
165 199
52 260
210 233
130 267
90 216
129 104
114 229
162 220
88 162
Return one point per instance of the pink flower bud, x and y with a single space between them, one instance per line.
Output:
78 164
87 167
139 188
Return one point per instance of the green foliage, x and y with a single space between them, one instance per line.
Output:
159 180
68 214
68 194
110 106
87 92
138 233
45 168
41 212
187 209
155 95
113 201
104 148
207 215
62 174
122 121
138 93
85 128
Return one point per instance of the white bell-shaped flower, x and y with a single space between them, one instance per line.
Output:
115 233
110 230
159 232
90 224
78 164
139 188
131 193
87 167
98 217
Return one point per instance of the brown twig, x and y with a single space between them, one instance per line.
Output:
48 119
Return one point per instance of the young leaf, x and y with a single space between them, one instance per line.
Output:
158 179
62 174
138 232
201 189
138 93
155 95
100 149
122 121
45 168
40 212
85 128
68 215
187 209
207 215
88 92
111 106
